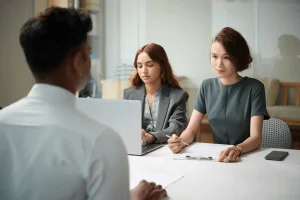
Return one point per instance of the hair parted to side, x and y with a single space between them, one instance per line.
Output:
159 55
48 38
236 46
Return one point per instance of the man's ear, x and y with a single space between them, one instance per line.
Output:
77 62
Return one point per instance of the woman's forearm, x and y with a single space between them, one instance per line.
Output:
188 136
190 132
255 139
250 144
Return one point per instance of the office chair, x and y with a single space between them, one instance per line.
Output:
276 134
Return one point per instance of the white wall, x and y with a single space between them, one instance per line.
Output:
112 36
183 28
121 34
129 30
15 77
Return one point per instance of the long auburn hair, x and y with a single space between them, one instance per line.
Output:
157 54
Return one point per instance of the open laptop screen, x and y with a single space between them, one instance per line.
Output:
124 116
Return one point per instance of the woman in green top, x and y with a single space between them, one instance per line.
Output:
235 105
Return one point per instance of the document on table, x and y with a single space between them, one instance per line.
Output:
204 150
161 178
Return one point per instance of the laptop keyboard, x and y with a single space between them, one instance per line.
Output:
150 147
144 147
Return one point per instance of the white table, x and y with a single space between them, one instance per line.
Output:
253 178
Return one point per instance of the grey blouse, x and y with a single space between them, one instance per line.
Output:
230 107
150 115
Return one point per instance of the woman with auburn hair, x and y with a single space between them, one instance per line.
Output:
235 105
163 100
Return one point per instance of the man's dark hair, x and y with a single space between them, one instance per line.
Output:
50 37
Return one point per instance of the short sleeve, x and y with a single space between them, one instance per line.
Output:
258 103
200 100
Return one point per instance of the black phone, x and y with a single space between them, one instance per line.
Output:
277 155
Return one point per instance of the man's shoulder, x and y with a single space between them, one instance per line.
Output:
100 135
92 128
8 111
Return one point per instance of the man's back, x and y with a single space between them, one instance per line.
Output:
49 150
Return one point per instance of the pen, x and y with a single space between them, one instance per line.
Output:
180 141
198 158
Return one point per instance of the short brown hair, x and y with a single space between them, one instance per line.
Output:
159 55
236 46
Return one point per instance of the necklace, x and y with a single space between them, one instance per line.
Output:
150 100
150 109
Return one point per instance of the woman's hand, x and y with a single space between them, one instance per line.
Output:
146 137
230 154
175 144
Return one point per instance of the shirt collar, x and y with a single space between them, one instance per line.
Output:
52 94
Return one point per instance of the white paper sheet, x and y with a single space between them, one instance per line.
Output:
204 150
163 179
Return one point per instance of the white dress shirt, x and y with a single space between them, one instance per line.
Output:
50 150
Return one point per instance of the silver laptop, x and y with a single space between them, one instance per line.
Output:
124 116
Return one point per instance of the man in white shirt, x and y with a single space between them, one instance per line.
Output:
48 149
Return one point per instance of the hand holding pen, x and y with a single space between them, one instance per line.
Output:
175 143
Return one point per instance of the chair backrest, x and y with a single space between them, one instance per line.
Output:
276 134
286 86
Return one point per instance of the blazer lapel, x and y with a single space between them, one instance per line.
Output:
140 95
163 106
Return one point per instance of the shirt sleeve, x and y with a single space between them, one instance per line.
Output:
107 169
200 100
258 102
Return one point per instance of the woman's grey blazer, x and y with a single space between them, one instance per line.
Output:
171 117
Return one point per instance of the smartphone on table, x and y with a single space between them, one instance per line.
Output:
277 155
